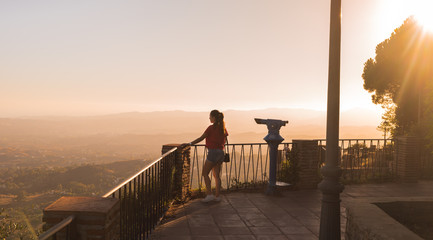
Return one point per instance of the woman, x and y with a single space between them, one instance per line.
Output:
215 135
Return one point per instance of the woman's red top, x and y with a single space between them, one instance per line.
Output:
215 138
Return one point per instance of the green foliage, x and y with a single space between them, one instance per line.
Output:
32 189
85 180
400 78
236 184
289 172
7 226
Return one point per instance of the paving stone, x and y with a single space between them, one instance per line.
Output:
208 237
239 237
265 230
241 203
271 237
235 230
308 220
202 220
259 222
309 236
204 231
226 216
295 230
301 212
315 229
248 210
274 212
171 238
173 231
230 223
285 220
248 216
224 210
177 222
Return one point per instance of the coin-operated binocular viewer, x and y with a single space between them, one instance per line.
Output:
273 139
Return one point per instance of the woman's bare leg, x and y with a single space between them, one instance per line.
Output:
205 173
216 170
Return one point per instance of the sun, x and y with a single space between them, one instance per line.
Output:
423 14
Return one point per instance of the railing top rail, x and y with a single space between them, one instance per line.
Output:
236 144
319 139
358 139
135 175
59 226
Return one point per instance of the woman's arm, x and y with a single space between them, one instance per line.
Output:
195 141
201 138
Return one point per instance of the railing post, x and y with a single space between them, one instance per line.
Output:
95 217
408 158
182 171
308 162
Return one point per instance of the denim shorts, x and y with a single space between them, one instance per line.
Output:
215 155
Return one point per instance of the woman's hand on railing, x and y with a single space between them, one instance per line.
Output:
184 145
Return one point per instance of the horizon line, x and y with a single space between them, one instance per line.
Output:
78 115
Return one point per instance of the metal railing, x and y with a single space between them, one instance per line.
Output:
248 166
426 158
363 160
64 224
145 197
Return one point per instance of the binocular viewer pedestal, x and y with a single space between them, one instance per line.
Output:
273 139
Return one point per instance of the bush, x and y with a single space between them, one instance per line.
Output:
7 226
289 172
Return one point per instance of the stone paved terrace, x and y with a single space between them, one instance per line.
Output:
294 215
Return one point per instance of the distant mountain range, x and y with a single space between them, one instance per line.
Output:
144 132
301 122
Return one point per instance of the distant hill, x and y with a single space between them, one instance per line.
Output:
139 134
102 177
174 122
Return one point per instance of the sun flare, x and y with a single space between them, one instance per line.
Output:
423 15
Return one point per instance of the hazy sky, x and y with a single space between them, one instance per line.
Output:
93 57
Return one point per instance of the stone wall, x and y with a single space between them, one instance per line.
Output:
95 217
182 173
367 221
308 163
408 158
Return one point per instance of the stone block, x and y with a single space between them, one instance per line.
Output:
95 217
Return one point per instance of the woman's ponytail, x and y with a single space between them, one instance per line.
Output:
219 120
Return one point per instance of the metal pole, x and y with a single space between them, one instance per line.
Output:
330 186
273 150
385 124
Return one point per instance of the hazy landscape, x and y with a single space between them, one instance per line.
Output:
62 141
43 158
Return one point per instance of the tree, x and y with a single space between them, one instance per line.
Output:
7 226
401 79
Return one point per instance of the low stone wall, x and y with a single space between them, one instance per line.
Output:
308 163
95 217
183 169
365 220
408 158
